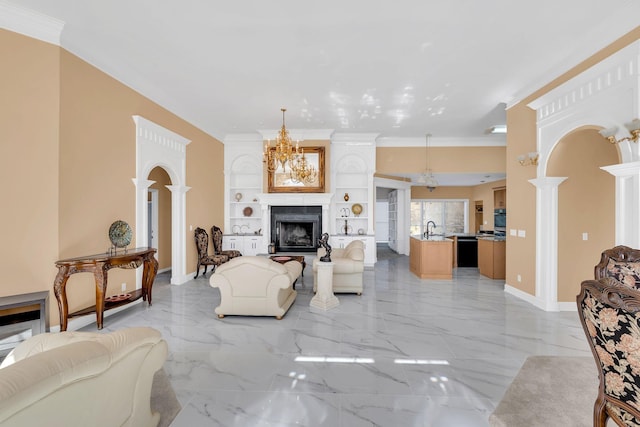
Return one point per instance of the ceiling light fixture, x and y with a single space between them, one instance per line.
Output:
498 129
426 178
284 153
633 127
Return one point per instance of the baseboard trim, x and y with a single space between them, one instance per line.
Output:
533 300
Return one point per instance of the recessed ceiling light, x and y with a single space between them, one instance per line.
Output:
498 129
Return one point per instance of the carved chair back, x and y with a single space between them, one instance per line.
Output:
216 237
610 315
202 242
622 263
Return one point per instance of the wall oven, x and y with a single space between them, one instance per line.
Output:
500 222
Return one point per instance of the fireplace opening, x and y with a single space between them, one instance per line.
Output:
296 234
296 228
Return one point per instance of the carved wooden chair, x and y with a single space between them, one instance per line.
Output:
622 263
610 315
216 236
202 245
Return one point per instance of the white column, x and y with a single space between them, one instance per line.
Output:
324 298
627 202
178 234
547 241
142 220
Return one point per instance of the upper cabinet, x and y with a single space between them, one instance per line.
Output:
500 198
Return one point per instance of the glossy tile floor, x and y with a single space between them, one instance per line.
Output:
408 352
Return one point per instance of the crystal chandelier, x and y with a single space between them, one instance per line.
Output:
426 178
302 171
284 153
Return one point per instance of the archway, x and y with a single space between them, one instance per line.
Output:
586 206
161 230
157 146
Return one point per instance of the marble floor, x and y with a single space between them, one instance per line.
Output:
408 352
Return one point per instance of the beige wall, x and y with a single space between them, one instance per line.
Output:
29 111
586 204
521 194
73 162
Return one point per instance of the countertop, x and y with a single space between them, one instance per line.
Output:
492 238
431 238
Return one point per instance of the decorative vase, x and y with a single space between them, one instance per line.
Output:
346 197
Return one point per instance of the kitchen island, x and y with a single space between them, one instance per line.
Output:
491 257
431 258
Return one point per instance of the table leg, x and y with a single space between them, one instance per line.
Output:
100 275
60 291
149 271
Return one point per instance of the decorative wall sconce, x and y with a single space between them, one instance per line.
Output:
633 127
530 159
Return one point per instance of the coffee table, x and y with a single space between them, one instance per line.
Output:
286 258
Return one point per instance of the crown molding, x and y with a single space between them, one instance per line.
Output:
621 68
485 141
354 138
601 36
299 134
30 23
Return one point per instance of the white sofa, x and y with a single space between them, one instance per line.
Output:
348 268
255 286
82 379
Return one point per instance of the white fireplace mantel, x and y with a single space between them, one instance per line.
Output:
292 199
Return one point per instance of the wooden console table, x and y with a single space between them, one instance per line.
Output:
99 265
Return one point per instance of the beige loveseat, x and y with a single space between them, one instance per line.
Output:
82 379
255 286
348 268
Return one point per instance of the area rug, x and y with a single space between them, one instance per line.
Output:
550 391
163 399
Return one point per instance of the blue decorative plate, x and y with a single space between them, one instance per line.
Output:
120 234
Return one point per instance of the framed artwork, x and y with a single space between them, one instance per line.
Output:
282 181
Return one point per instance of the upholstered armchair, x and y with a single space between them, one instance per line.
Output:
82 379
202 245
610 316
255 286
216 237
622 263
348 268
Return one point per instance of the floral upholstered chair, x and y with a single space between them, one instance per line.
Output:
622 263
610 316
216 236
202 245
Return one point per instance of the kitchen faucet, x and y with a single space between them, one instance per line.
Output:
427 232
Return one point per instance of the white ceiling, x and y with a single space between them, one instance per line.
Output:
398 69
